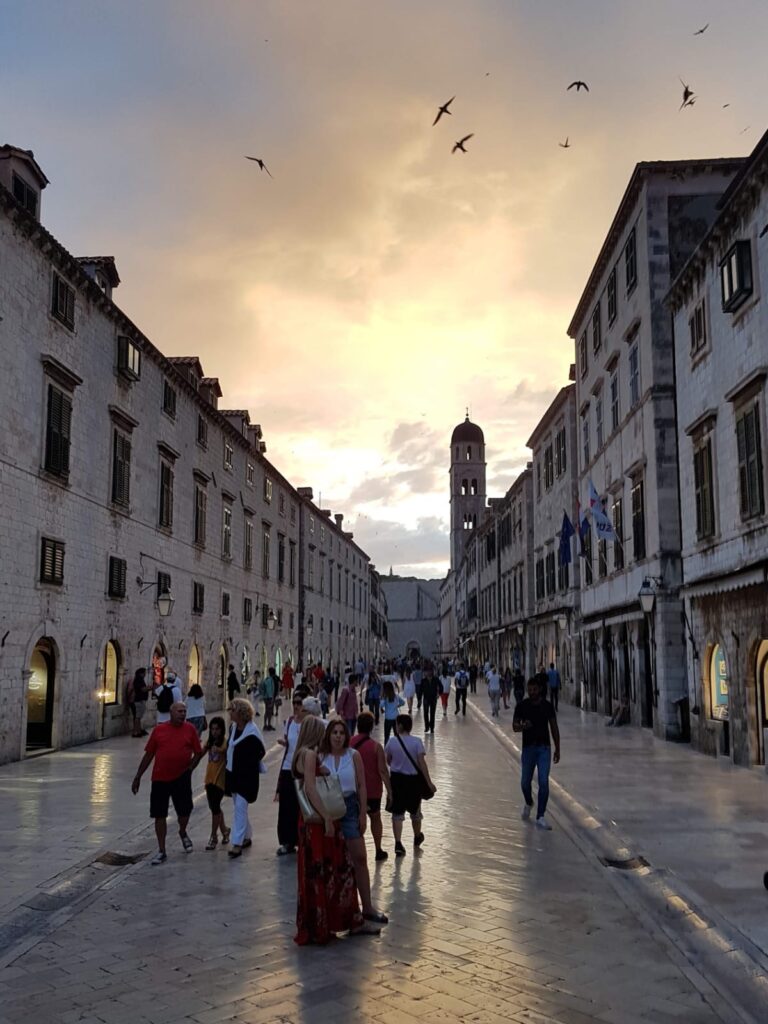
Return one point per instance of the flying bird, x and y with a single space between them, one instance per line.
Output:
261 163
763 232
688 97
460 143
443 109
745 130
701 31
726 105
565 145
578 86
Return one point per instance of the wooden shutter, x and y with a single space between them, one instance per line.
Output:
51 561
58 429
117 576
121 469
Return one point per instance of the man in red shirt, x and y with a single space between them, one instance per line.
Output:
175 748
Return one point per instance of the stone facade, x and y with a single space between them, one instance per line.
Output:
720 328
121 478
413 615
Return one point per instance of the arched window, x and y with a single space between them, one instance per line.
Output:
465 487
110 672
469 452
457 453
474 487
194 665
474 521
718 682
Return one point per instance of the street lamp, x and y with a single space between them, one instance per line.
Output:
562 621
520 629
310 625
165 599
647 596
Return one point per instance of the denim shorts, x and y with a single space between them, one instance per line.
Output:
350 823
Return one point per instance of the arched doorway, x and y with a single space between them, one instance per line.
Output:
159 661
40 692
221 667
245 665
110 672
761 703
279 663
194 666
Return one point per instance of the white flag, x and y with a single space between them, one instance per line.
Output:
601 522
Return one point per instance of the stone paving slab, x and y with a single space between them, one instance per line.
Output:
491 921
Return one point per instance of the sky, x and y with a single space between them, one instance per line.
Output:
377 285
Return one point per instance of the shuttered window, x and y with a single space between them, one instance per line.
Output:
166 495
117 576
121 469
198 598
63 307
51 561
58 432
247 609
750 454
201 504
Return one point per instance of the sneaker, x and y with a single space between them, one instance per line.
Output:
284 849
543 824
381 855
186 842
419 839
159 858
399 850
525 814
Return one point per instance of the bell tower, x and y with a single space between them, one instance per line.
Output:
467 485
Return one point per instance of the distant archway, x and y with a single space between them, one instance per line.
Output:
40 693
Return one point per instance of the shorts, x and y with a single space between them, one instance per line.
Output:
374 804
179 791
139 708
350 823
215 796
406 795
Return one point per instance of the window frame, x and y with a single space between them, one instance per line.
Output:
20 184
128 358
639 543
200 515
52 553
750 464
612 297
58 432
226 530
121 468
165 502
615 399
736 276
634 375
630 261
117 577
198 597
597 329
697 327
703 488
63 302
169 399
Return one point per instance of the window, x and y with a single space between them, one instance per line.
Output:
265 615
562 576
630 261
538 480
736 276
752 502
169 399
265 551
267 490
312 525
614 400
702 482
583 359
602 558
63 307
617 510
166 495
229 456
247 609
597 334
58 432
561 462
539 579
202 431
599 422
128 358
585 436
613 305
718 678
638 520
551 573
226 531
279 618
24 194
293 514
549 467
198 598
121 469
163 584
469 453
697 325
473 487
292 564
117 576
311 569
634 376
281 558
281 503
588 557
250 474
201 502
290 620
248 543
224 604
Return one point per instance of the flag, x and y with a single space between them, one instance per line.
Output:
583 527
566 532
602 522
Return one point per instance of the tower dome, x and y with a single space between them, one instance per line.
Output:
467 432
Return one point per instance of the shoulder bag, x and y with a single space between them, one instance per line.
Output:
426 791
331 797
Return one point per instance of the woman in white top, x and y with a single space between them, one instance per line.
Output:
346 764
409 690
196 708
285 794
406 759
445 691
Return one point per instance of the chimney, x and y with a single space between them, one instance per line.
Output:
339 519
21 174
103 271
305 492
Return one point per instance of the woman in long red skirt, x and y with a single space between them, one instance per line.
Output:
327 894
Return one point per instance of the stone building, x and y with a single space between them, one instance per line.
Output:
142 524
721 352
625 399
413 615
554 622
379 641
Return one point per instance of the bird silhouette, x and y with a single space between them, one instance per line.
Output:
460 143
701 31
578 86
745 130
763 232
443 109
688 97
726 105
261 163
565 145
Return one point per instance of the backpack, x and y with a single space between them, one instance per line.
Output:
165 698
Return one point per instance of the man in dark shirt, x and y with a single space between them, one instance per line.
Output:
233 683
535 718
430 690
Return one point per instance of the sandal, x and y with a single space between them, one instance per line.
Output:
226 833
212 843
186 842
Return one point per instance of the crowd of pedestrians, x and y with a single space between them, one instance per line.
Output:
333 773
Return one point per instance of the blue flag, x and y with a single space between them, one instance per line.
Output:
566 532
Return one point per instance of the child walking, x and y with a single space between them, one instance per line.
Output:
216 748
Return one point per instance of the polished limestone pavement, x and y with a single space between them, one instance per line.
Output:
491 921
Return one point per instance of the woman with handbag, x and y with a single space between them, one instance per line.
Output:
327 894
245 752
411 782
285 793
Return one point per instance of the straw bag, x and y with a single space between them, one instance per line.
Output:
331 797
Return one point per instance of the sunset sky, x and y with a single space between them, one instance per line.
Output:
378 284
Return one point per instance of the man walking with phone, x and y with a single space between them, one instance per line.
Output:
535 718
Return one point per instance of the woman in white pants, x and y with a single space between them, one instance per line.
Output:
245 752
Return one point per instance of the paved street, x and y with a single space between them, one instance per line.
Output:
492 921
